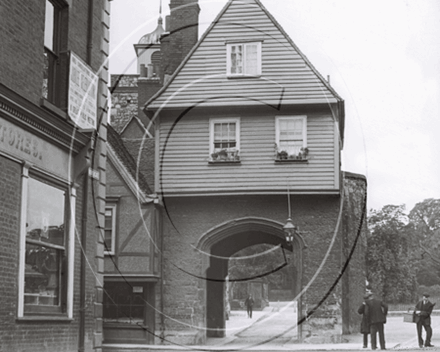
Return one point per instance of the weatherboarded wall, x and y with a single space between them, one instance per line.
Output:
185 166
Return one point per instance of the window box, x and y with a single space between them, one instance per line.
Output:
283 156
225 156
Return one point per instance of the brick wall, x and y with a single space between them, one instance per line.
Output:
190 218
22 41
183 27
9 235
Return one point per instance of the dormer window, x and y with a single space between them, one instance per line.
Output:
243 59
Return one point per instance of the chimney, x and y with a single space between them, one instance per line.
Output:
183 28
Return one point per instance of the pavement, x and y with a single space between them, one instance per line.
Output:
270 330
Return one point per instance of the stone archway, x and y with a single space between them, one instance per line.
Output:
227 239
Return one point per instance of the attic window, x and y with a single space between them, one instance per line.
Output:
243 59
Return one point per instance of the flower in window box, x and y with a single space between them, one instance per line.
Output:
282 155
222 155
304 152
232 155
214 156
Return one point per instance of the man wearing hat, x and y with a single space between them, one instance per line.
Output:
377 312
365 323
423 318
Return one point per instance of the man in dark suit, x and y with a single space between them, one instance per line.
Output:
378 311
249 305
423 318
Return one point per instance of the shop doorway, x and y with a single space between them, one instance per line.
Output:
128 314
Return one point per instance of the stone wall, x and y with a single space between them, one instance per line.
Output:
354 238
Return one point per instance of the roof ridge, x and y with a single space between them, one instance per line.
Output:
259 4
303 56
187 57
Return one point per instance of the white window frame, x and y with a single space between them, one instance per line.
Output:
278 119
69 245
214 121
113 208
244 45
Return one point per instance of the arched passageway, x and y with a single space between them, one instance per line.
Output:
227 239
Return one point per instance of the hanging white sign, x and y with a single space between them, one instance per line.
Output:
83 94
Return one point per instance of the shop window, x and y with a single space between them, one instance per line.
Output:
45 263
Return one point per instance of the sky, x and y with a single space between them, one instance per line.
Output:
383 59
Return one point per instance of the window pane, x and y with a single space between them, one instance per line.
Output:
291 135
42 276
251 59
109 230
122 304
108 218
236 59
45 213
49 26
224 136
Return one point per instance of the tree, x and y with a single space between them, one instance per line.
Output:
425 221
388 257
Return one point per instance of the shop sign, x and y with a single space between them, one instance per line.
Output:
83 94
24 145
138 289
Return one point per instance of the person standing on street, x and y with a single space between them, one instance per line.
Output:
423 318
365 323
377 312
249 305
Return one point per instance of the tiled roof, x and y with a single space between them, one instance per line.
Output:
127 159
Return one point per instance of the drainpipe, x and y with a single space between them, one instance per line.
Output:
162 317
90 33
82 290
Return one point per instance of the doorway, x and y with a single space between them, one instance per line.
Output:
128 314
224 244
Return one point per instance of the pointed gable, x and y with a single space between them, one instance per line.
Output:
205 78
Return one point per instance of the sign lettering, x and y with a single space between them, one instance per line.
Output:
83 94
16 139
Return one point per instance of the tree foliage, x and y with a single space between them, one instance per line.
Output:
425 221
403 250
262 261
388 246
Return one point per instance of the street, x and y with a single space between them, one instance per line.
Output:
265 331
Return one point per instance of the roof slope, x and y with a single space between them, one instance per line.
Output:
287 76
126 159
